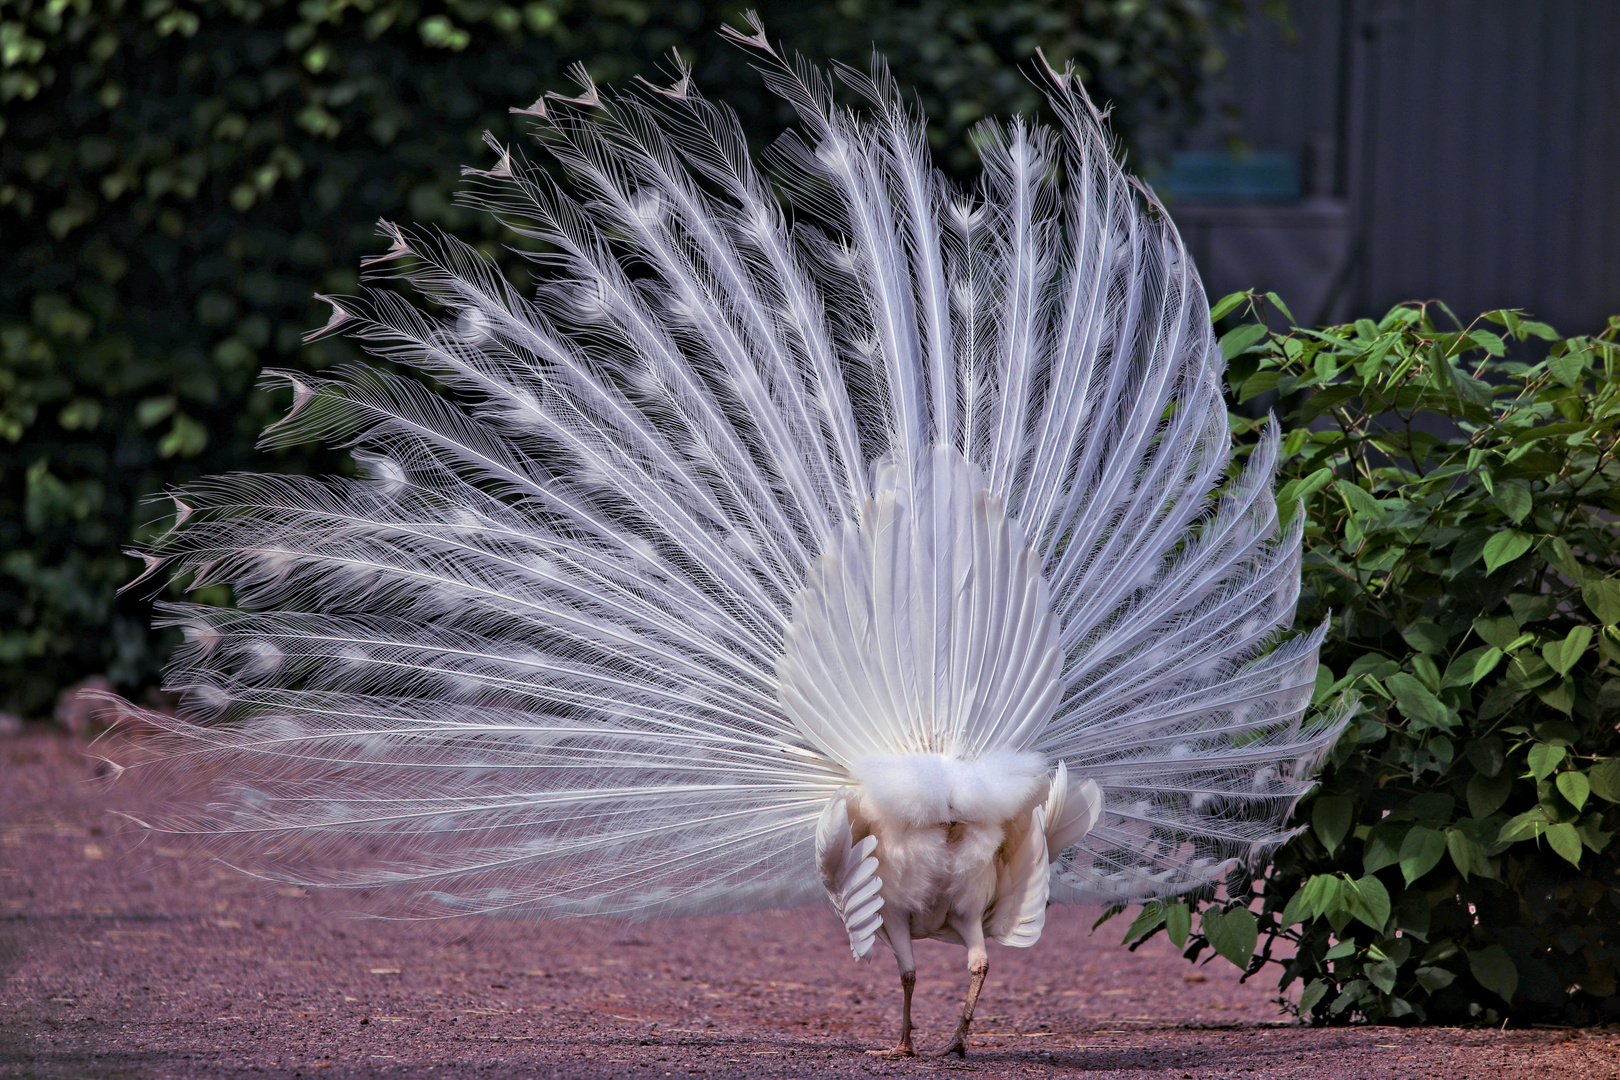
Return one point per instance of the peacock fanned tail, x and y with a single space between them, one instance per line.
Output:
783 467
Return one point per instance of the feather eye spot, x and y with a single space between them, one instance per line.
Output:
260 658
834 153
473 326
648 207
387 473
276 561
205 698
205 636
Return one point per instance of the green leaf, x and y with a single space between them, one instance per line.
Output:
1560 695
154 410
1240 340
1425 637
1546 431
1562 838
80 413
1609 644
1397 950
1369 902
1324 684
1513 500
1558 732
1354 991
1313 993
185 438
1177 924
1561 555
1298 908
1304 487
1379 850
1494 969
1504 547
1488 341
1605 779
1485 664
1592 836
1603 598
1362 505
1319 894
1526 826
1233 934
1258 383
1544 758
1528 669
1434 978
1421 850
1427 671
1567 368
1575 787
1563 655
1466 854
1151 915
1501 631
1226 305
1486 794
1276 302
1421 708
1332 817
1530 607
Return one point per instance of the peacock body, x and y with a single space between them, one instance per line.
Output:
886 547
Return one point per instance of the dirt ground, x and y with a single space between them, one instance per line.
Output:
148 963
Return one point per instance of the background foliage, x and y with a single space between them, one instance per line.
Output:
177 177
1460 507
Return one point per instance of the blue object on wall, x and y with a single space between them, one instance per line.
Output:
1213 176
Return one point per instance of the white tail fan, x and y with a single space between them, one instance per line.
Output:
737 509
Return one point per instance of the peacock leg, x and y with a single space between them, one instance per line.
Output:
899 936
972 932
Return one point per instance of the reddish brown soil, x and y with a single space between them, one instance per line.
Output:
147 963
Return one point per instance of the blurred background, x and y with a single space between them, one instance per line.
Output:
178 177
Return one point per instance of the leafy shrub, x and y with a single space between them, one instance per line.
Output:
176 179
1461 508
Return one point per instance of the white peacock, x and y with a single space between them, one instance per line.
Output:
888 545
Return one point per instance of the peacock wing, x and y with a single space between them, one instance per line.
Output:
1023 877
849 873
1072 811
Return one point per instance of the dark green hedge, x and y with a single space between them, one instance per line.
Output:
177 177
177 181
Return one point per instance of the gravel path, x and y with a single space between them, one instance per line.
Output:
149 963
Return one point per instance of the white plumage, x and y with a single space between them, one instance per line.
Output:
882 548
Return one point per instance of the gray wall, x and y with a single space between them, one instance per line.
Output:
1478 142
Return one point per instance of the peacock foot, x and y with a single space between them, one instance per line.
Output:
904 1050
